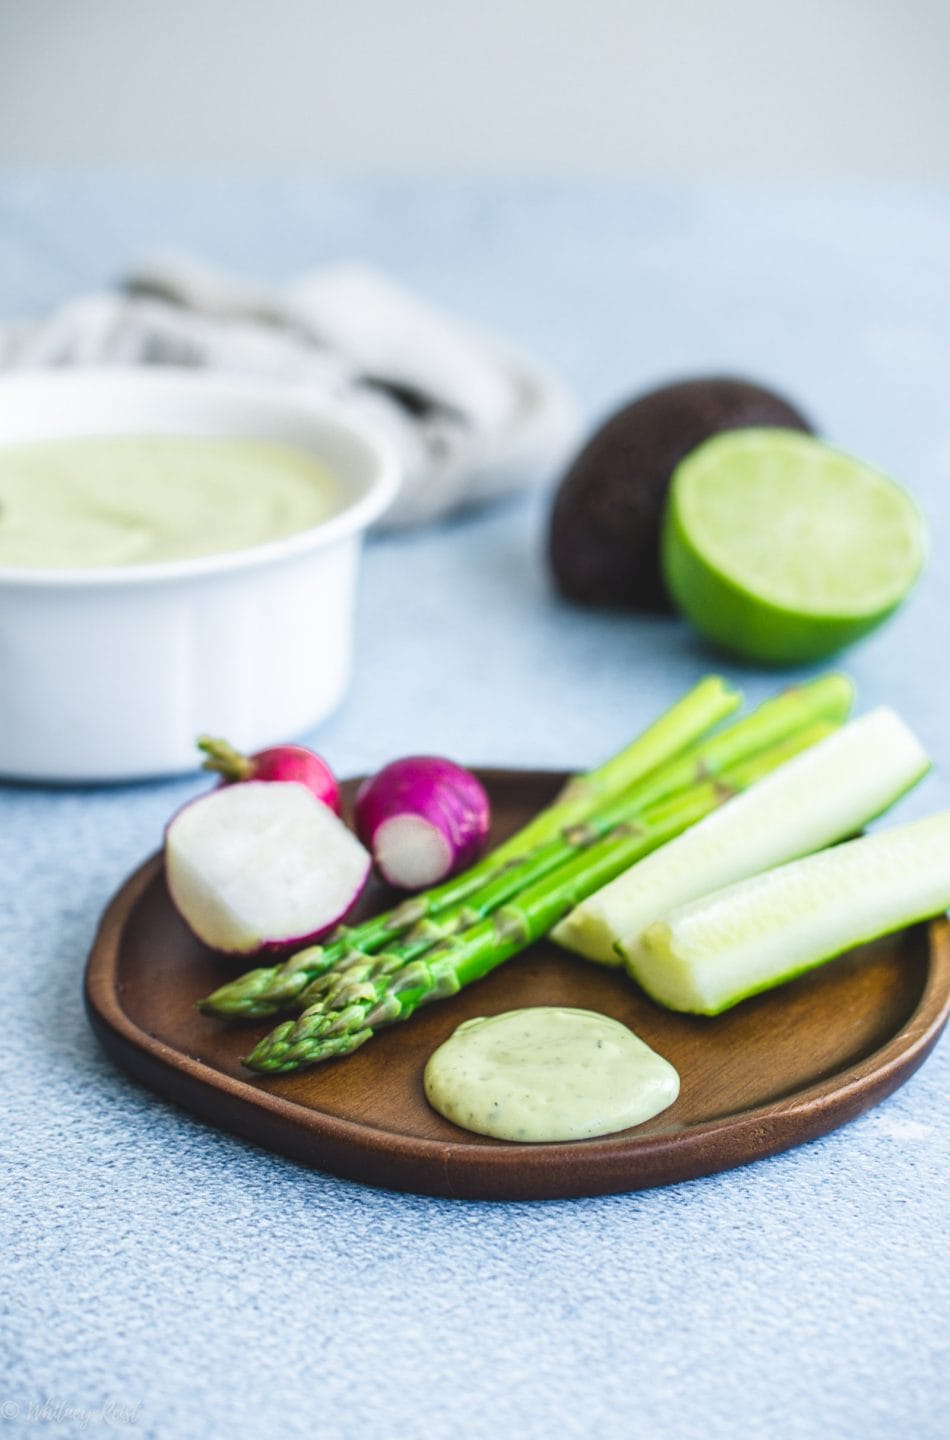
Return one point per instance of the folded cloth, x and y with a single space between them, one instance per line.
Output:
467 419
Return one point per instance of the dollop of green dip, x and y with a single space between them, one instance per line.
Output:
547 1073
134 500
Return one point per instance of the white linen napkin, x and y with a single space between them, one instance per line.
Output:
469 419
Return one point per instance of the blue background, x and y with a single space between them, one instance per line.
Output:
213 1289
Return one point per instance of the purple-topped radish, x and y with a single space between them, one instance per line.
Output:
423 818
262 866
278 762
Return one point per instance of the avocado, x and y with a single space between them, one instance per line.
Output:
604 532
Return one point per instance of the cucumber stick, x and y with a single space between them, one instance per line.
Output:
714 952
822 795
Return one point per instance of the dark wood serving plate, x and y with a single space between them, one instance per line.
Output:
778 1070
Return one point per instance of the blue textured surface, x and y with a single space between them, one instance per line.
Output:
209 1288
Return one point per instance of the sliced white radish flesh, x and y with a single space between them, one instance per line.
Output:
411 852
262 865
423 817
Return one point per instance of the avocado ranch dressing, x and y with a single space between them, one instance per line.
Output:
97 501
547 1073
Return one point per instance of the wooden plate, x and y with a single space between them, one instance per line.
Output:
776 1071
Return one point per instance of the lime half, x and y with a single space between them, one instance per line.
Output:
781 549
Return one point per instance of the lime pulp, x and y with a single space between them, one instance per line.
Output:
782 549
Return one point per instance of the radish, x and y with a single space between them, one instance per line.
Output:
423 818
261 866
278 762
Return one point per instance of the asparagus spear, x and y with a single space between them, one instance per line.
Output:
266 992
702 708
825 796
372 992
269 989
775 720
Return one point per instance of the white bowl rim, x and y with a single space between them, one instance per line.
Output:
353 517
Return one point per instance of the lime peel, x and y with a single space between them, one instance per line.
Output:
784 550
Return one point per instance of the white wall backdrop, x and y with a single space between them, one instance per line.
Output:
836 88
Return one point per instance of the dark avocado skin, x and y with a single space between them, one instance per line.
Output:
604 533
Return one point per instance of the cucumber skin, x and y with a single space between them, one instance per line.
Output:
596 951
589 933
710 1011
656 936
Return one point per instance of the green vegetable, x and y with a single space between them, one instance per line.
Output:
415 926
826 795
370 992
272 988
707 956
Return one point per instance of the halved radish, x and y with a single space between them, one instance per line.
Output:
262 866
277 762
423 817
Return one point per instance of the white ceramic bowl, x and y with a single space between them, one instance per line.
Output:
111 673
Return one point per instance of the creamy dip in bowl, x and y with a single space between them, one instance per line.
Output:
133 500
178 553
